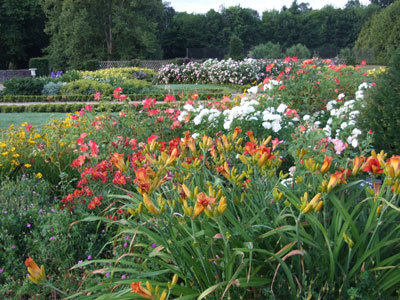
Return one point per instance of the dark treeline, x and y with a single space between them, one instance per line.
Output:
71 32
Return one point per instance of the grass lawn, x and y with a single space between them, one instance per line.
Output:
6 119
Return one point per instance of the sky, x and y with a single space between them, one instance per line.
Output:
203 6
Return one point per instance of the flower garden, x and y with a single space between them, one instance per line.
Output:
277 193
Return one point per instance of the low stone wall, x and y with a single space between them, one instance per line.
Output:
9 74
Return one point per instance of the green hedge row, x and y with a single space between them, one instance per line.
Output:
86 98
114 107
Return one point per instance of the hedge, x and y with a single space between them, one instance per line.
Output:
41 64
86 98
114 107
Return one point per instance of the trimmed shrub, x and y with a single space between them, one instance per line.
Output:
381 113
267 50
24 86
92 65
41 64
298 50
72 75
86 87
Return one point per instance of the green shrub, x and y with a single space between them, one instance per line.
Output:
267 50
133 86
299 51
52 88
236 48
381 113
24 86
69 76
41 64
347 54
135 63
92 65
380 33
86 87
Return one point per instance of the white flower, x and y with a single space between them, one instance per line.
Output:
354 143
195 135
341 96
343 125
253 90
356 132
330 104
329 122
188 107
276 126
281 108
267 125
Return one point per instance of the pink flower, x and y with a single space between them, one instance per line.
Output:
282 87
88 107
149 102
97 96
122 97
94 149
117 92
28 127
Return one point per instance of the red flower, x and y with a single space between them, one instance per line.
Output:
372 165
151 138
122 97
169 98
282 87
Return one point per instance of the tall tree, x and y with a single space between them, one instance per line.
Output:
382 3
102 29
21 32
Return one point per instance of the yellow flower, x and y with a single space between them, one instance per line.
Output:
37 274
28 165
39 175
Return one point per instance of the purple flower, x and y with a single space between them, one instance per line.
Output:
40 211
53 210
123 276
79 262
5 212
28 225
125 244
52 238
154 245
107 274
12 246
1 271
89 257
127 237
103 231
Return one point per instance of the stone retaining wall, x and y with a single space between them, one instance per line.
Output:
9 74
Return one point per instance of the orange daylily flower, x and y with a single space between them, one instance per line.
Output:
236 132
37 274
141 291
335 179
203 202
393 166
357 164
326 164
118 161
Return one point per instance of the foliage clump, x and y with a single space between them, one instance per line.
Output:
381 112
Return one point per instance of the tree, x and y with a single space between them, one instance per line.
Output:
102 29
381 33
382 3
236 48
21 32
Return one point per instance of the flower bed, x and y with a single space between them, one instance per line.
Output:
267 195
